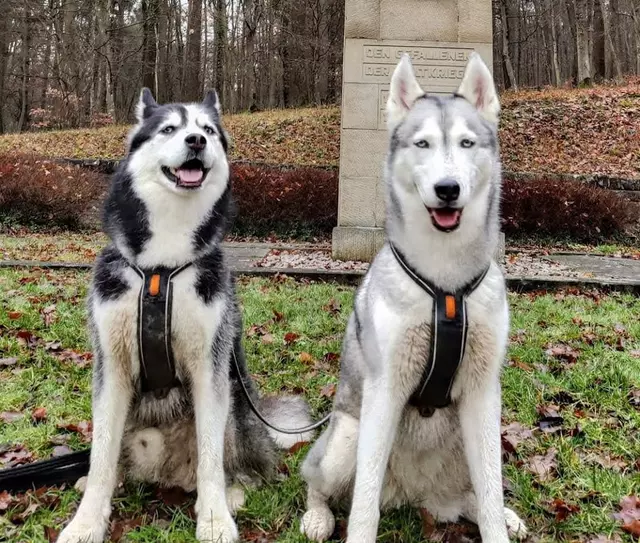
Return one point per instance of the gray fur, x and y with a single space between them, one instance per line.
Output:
378 450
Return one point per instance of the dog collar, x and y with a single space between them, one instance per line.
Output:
448 339
158 371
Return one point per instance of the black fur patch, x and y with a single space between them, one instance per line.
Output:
214 227
107 274
211 274
153 122
125 215
358 324
98 370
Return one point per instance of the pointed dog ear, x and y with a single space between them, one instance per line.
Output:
403 93
146 105
478 88
211 101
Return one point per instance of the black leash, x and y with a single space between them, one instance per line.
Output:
66 469
290 431
448 339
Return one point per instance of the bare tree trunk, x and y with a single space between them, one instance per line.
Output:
557 74
4 57
192 76
599 57
636 27
26 69
162 52
617 66
46 67
583 49
511 82
149 46
220 40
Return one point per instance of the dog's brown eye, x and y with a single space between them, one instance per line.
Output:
467 144
422 144
168 129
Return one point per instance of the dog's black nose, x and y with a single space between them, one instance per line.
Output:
197 142
447 190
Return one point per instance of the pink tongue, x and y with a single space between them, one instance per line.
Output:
446 218
190 176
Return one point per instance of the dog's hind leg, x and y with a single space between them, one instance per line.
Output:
211 400
329 469
112 396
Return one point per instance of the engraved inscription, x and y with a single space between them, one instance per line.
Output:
427 75
376 70
438 72
390 54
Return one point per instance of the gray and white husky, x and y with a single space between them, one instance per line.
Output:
169 206
443 183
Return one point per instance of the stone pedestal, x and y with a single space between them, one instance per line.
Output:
438 35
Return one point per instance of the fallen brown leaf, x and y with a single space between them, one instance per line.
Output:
428 523
51 534
6 500
121 527
332 307
10 416
14 315
30 510
305 358
15 456
83 428
629 510
290 337
328 391
563 352
563 509
543 466
39 414
8 361
295 448
61 450
632 528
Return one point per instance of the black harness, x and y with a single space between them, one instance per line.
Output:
448 340
158 369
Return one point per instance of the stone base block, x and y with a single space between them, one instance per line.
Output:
362 243
356 243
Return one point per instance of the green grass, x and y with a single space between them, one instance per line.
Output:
592 392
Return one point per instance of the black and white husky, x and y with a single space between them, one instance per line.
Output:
168 207
443 184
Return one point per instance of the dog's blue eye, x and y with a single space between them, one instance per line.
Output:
423 144
467 144
209 130
168 129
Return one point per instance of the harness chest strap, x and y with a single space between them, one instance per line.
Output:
448 340
158 372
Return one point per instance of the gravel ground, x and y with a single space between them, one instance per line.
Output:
519 264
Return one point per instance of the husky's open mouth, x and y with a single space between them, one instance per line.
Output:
189 176
445 219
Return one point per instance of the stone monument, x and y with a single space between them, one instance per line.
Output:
438 35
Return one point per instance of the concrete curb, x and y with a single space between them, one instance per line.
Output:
517 283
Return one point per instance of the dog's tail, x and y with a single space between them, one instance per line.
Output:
287 412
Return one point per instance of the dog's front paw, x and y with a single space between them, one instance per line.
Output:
83 531
318 523
515 525
210 529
